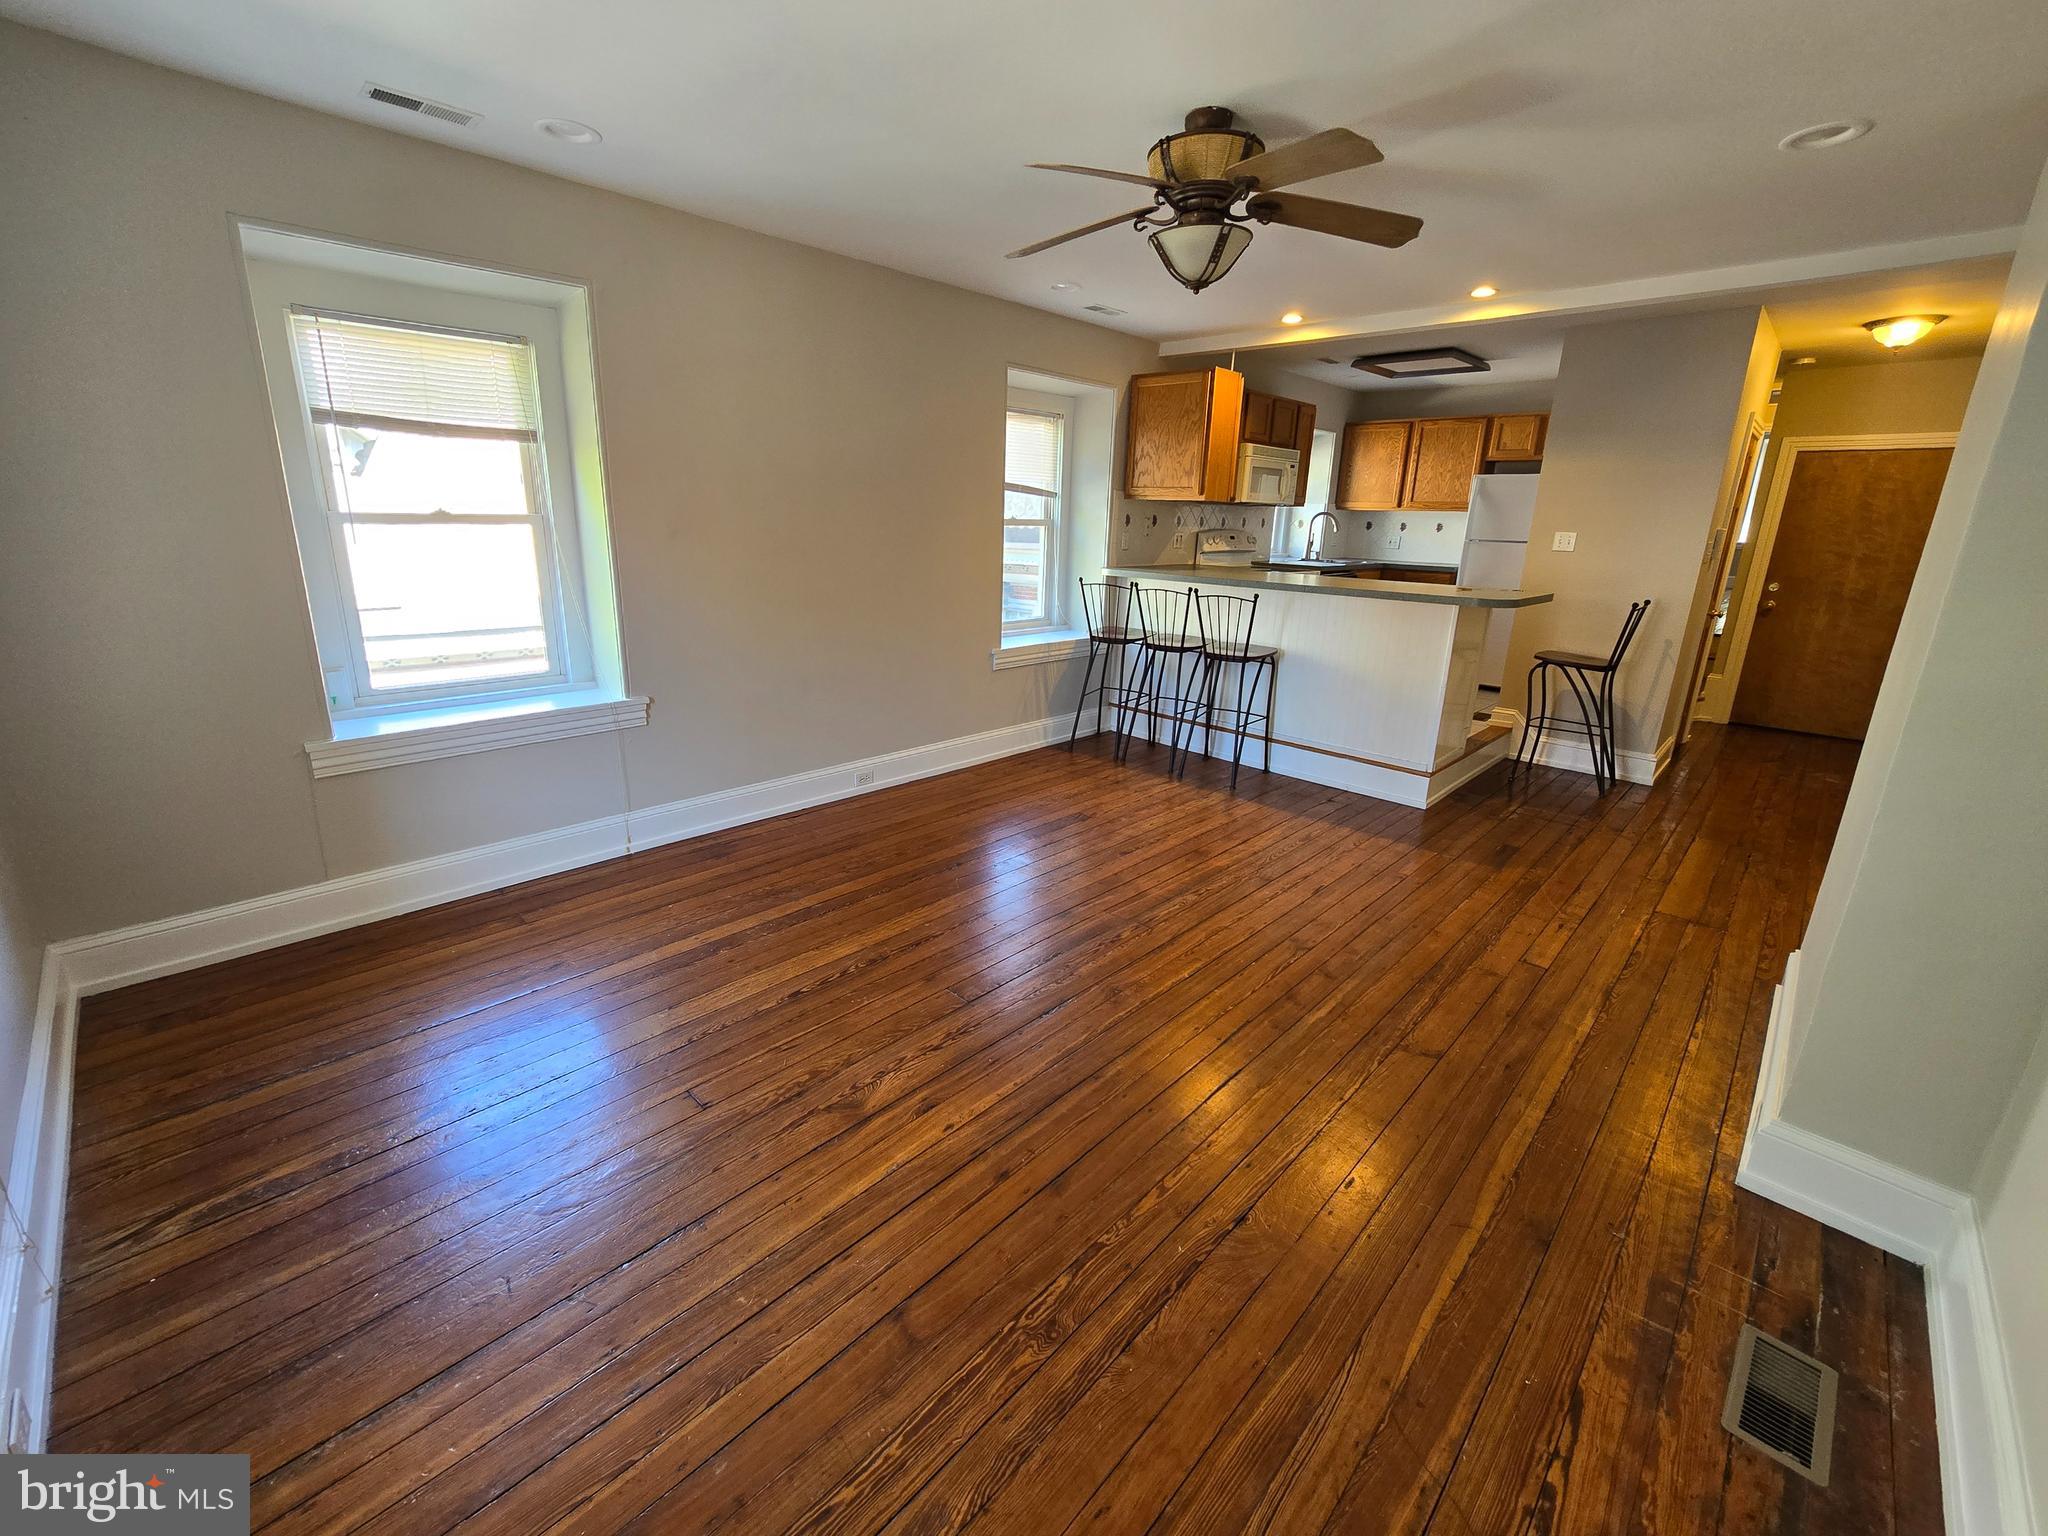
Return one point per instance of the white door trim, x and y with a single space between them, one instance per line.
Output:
1719 697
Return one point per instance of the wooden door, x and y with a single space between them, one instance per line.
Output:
1447 454
1517 439
1372 464
1849 539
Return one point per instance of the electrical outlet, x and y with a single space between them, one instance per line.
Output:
864 778
20 1424
1564 543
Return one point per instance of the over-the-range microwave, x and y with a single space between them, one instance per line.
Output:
1266 477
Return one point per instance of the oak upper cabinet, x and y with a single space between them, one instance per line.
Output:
1372 465
1446 452
1517 439
1182 435
1303 442
1258 417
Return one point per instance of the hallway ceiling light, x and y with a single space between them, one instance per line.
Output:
1484 291
1901 330
1292 317
1828 135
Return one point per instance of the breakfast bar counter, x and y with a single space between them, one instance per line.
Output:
1377 695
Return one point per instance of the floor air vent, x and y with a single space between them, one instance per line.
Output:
419 104
1783 1403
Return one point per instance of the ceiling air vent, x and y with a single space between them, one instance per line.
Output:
1783 1403
420 105
1104 309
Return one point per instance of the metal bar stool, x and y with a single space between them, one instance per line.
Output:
1165 619
1224 625
1591 680
1106 605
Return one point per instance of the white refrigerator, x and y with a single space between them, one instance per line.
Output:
1497 527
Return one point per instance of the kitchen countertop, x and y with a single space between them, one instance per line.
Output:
1342 586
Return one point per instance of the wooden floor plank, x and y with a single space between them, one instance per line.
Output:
1055 1145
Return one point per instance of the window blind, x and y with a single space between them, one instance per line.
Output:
367 373
1031 453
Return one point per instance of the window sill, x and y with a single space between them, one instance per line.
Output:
385 740
1037 647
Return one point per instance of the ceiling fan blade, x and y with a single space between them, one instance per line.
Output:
1088 170
1348 220
1320 154
1085 229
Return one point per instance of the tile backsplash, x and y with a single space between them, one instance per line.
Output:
1417 538
1162 533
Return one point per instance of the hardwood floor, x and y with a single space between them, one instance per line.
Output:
1047 1147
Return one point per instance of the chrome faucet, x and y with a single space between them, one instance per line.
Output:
1309 550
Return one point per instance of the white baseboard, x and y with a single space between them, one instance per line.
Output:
680 819
1630 766
1983 1478
37 1170
31 1222
119 958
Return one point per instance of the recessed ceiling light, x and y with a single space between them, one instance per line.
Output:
569 131
1804 362
1827 135
1064 287
1292 317
1484 291
1901 330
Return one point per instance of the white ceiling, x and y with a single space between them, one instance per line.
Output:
1822 320
1548 144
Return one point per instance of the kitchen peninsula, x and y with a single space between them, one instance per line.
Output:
1378 680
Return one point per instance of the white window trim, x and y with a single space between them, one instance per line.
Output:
1056 526
1037 647
556 556
452 730
591 694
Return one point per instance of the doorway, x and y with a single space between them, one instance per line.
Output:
1840 544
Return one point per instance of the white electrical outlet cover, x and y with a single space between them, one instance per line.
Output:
1564 543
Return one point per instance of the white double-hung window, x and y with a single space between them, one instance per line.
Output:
436 504
437 428
1034 493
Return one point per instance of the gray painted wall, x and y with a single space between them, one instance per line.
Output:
802 452
1637 465
1924 978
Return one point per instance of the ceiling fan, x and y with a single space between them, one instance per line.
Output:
1212 180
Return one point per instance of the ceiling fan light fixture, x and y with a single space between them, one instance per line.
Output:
1901 330
1197 254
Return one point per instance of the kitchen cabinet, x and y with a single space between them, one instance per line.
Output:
1372 465
1182 435
1385 466
1183 432
1433 575
1443 456
1517 439
1258 417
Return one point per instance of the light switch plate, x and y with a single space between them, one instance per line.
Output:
1564 543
